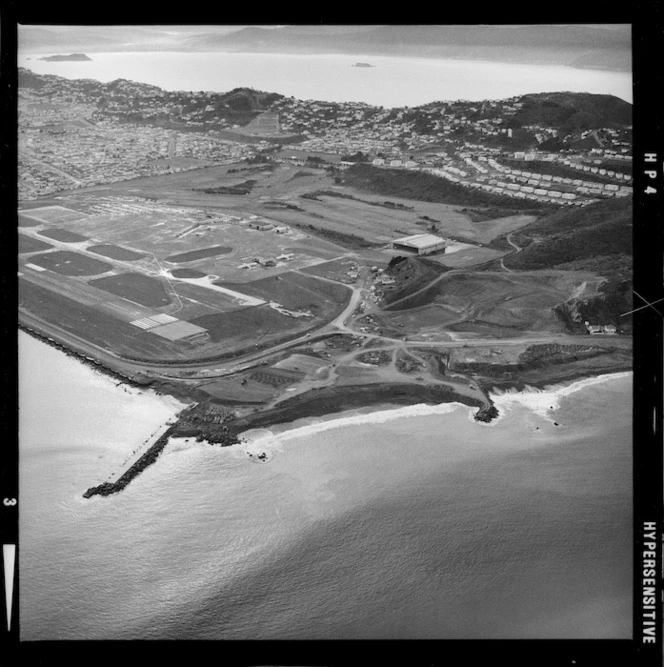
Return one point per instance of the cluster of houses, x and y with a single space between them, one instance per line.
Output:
56 157
598 329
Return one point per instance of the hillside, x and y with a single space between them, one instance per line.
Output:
597 230
572 112
595 238
426 187
411 274
121 96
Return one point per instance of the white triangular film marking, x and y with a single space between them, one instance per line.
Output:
9 553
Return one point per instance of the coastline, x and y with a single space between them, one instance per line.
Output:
341 408
537 399
334 403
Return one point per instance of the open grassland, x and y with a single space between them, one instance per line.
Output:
63 235
68 263
276 194
50 214
297 292
202 253
28 244
25 221
135 287
256 323
240 390
493 304
187 273
93 324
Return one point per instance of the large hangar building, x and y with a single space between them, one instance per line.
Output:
420 244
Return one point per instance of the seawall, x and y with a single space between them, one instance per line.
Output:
150 456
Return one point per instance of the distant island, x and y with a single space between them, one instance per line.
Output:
362 65
71 56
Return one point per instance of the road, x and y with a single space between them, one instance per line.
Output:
221 368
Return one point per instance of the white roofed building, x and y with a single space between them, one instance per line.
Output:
421 244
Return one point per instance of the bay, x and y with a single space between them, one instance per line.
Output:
391 82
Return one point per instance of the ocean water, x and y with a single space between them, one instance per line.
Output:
392 82
410 523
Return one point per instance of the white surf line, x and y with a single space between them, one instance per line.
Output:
544 401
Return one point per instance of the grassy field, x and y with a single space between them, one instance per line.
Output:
202 253
63 235
135 287
259 323
68 263
296 291
25 221
93 324
56 214
28 244
187 273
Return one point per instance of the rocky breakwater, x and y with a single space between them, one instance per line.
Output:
150 456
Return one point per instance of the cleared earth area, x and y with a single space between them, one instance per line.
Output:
490 304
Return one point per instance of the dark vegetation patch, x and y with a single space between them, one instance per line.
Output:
187 273
28 244
68 263
316 195
329 400
571 113
63 235
375 357
493 212
534 357
239 189
135 287
192 255
352 241
115 252
406 363
276 377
